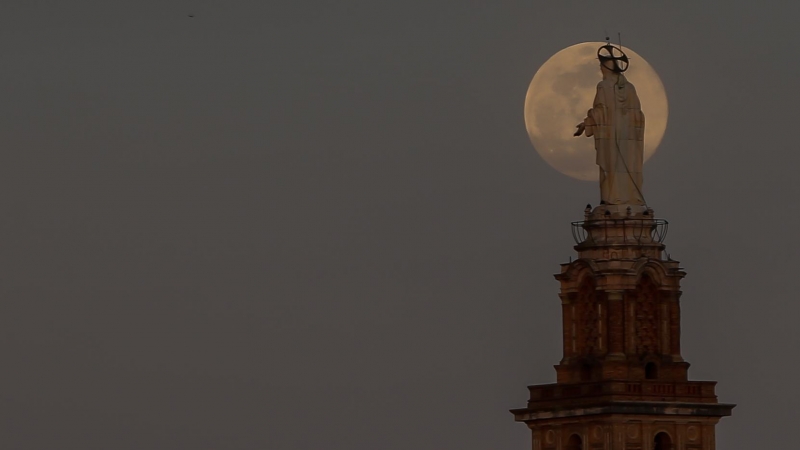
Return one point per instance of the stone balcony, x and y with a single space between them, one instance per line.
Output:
547 396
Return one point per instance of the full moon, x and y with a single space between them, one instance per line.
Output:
563 90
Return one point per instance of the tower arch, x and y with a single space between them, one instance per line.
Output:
648 317
662 441
574 443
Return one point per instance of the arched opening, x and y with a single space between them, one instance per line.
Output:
651 371
587 318
574 443
662 442
647 318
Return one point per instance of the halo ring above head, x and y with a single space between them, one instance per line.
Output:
615 55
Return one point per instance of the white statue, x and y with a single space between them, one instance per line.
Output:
617 123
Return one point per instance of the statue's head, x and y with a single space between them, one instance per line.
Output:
612 59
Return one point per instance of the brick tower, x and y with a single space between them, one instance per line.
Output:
622 383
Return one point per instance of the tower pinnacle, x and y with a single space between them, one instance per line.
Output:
622 382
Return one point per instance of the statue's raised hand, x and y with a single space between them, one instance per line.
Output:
581 127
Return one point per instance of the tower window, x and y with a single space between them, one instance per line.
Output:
575 443
662 442
586 372
651 371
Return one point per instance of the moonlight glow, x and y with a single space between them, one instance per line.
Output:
562 91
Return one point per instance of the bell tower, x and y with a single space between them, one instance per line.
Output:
622 383
621 302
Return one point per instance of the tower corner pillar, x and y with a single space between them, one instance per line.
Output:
616 321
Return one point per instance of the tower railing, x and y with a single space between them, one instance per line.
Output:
691 391
633 230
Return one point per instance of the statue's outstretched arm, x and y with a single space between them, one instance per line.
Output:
587 126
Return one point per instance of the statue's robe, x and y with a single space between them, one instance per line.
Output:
617 123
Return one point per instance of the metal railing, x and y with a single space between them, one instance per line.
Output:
655 229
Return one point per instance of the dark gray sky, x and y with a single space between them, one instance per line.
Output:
321 225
